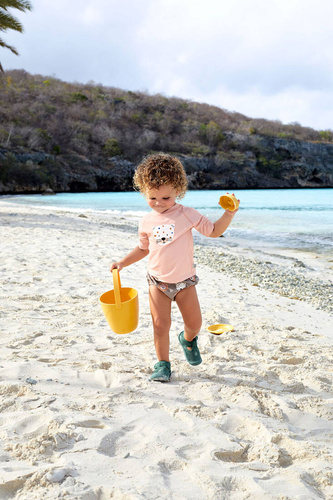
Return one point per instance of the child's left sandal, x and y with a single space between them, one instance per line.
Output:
192 355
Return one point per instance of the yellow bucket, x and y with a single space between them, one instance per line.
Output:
120 306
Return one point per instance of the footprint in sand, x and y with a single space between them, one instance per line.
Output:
108 445
11 485
90 424
38 438
237 456
167 467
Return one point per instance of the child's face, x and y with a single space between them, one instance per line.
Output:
161 199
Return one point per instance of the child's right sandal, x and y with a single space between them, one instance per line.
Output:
192 355
162 372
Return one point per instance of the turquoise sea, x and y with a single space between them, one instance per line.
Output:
285 218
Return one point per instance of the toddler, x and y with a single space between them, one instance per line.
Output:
166 235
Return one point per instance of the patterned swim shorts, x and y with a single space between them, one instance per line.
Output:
171 289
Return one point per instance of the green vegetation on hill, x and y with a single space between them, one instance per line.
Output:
73 130
39 113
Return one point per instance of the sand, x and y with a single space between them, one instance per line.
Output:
79 417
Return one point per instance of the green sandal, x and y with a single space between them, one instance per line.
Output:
162 372
193 356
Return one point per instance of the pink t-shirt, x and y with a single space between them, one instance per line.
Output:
168 236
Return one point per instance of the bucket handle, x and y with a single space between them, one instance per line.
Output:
117 287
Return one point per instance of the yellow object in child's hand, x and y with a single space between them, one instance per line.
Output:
229 202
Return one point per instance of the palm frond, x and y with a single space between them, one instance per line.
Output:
16 4
6 46
8 22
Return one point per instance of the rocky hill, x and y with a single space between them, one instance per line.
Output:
56 136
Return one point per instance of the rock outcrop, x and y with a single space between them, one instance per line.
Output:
246 162
258 162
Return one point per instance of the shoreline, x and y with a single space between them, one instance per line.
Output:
79 417
49 192
292 273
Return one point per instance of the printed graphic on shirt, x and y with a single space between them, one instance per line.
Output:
164 233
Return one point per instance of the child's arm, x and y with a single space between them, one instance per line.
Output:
222 224
134 256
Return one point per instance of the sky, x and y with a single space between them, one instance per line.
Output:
268 59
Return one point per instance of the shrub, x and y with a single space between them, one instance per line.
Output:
78 97
112 148
3 135
269 166
136 118
214 134
6 164
44 136
200 150
326 135
202 131
23 174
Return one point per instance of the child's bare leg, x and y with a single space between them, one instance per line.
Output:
188 304
160 308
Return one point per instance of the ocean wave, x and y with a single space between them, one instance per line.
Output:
81 210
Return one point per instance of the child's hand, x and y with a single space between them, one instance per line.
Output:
233 212
116 265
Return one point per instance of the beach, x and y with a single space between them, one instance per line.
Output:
79 417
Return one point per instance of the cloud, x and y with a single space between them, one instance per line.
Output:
92 16
255 47
310 108
270 59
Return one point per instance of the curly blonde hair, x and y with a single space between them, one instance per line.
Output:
158 170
